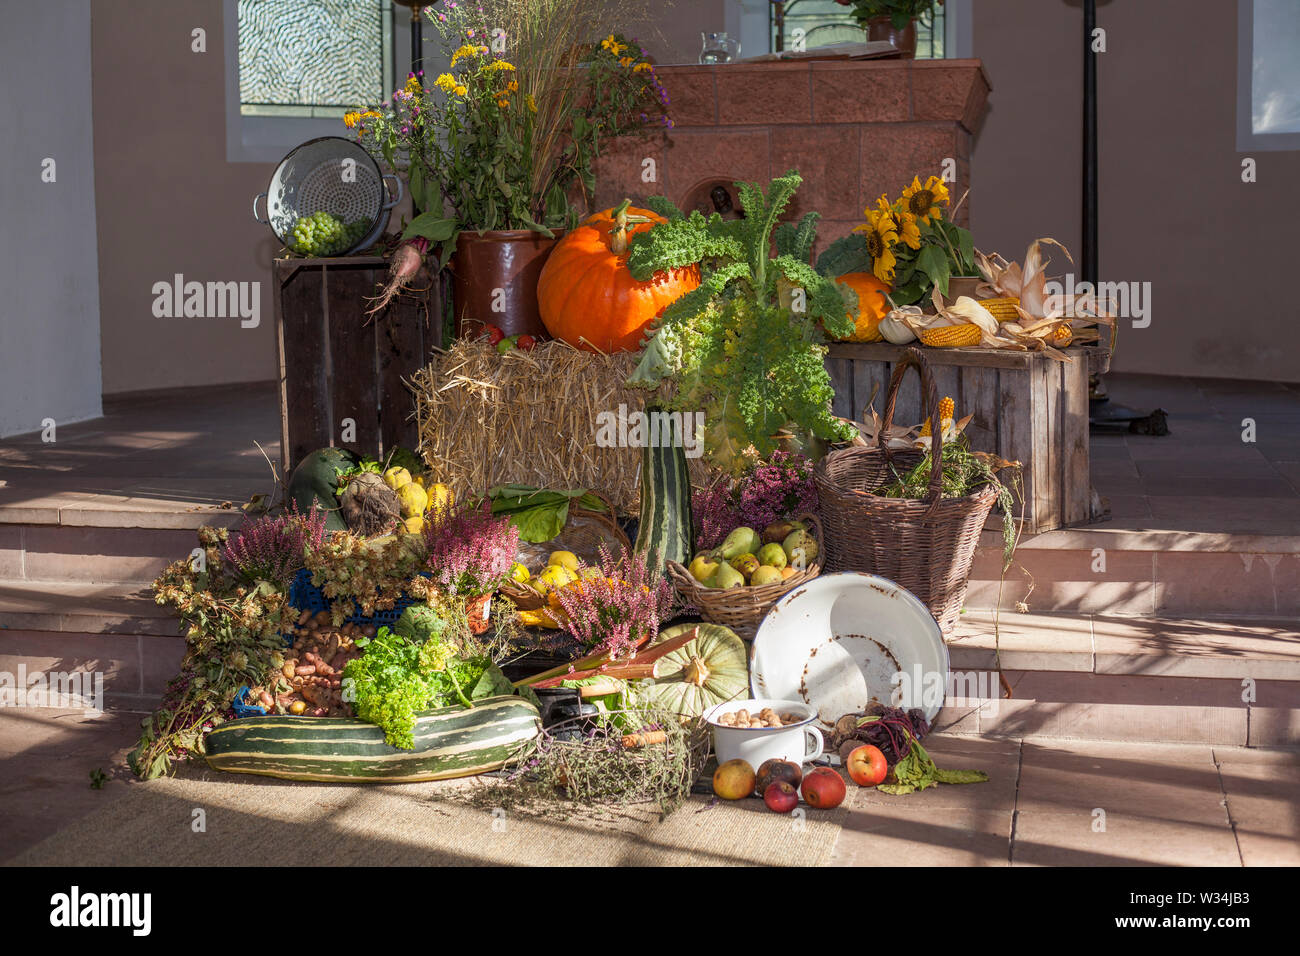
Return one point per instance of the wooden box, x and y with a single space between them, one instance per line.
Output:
343 373
1028 407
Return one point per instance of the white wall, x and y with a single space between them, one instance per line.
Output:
49 272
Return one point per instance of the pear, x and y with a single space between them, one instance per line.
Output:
746 564
773 555
727 577
800 548
766 575
703 567
741 541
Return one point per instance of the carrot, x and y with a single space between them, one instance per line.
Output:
632 741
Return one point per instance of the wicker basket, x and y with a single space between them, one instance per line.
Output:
926 545
583 534
743 609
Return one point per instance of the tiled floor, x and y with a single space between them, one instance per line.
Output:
1204 475
1046 803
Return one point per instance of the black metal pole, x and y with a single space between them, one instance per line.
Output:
417 40
778 16
1088 257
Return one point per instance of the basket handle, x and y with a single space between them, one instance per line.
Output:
256 217
930 405
393 200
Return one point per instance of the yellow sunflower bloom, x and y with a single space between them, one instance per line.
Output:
882 234
923 201
350 119
908 230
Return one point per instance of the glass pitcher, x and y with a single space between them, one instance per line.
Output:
718 48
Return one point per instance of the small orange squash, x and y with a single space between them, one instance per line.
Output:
872 305
587 297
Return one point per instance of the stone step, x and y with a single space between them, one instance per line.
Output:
32 554
1216 681
80 608
1126 572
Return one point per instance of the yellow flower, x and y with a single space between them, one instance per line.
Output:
469 49
923 201
413 84
642 67
532 106
445 82
497 66
882 233
626 61
908 231
350 119
512 86
460 89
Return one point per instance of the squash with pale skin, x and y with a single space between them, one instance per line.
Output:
711 669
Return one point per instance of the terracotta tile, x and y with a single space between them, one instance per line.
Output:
1141 780
1026 642
1258 584
697 156
772 94
1191 648
692 94
860 93
1125 507
160 661
1065 581
892 154
50 731
899 835
827 159
1068 839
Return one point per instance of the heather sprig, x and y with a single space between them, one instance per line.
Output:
618 609
273 548
470 551
782 487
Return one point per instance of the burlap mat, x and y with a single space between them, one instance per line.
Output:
248 820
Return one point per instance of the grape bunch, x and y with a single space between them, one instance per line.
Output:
322 234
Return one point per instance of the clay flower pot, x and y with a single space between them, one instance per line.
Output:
494 281
479 612
880 28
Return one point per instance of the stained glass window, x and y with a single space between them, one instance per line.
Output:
313 57
824 22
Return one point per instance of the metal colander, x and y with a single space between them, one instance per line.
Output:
331 174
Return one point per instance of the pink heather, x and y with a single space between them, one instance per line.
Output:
615 611
274 548
470 551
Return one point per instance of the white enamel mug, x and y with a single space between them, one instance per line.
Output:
798 743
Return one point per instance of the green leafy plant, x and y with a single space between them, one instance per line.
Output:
900 12
748 345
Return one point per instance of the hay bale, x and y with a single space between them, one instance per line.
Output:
485 419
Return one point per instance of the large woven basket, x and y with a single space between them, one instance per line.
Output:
583 534
743 609
926 545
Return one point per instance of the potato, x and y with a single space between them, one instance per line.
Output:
297 708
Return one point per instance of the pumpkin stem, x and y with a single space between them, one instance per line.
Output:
618 235
696 672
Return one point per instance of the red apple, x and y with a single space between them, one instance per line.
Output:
774 771
823 788
866 766
780 797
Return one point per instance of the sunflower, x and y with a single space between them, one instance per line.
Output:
350 119
909 233
882 234
923 201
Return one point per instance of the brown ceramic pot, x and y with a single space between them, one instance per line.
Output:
506 260
880 28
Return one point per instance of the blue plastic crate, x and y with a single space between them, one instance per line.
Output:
305 596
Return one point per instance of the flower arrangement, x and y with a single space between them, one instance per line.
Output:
899 12
614 610
913 245
508 135
469 551
771 491
747 346
274 548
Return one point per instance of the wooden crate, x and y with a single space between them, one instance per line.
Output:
337 363
1028 408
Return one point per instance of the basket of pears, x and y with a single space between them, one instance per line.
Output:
737 582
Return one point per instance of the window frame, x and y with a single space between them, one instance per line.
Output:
1248 141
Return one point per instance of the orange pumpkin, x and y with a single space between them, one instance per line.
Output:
872 305
587 297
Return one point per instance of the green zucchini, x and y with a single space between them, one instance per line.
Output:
665 531
449 742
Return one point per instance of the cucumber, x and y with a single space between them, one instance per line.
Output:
449 742
665 531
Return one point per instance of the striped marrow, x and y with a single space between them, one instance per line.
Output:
664 533
449 742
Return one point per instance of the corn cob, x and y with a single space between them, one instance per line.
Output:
1002 308
947 407
952 336
1062 335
